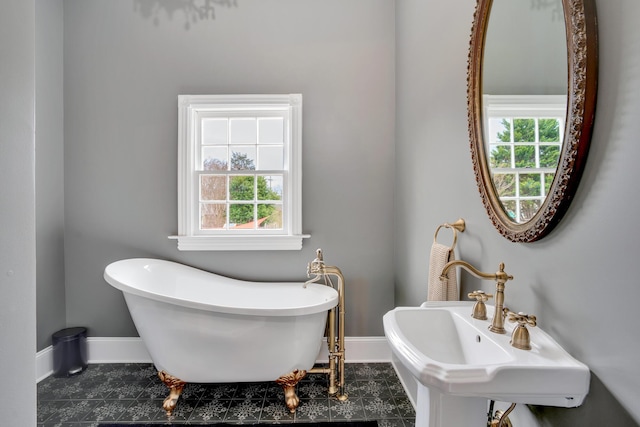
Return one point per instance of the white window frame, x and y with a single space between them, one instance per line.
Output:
190 238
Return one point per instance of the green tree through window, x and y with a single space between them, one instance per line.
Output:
522 150
243 187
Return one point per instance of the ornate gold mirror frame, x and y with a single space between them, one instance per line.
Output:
582 61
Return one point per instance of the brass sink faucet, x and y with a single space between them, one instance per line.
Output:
500 277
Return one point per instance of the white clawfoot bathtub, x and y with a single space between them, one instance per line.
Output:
204 328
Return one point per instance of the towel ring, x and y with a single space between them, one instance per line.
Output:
459 225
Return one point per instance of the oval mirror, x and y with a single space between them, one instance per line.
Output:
531 99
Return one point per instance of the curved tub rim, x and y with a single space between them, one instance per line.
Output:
244 311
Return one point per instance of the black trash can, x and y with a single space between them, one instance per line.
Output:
69 351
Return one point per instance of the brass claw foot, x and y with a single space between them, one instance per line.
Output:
175 389
288 383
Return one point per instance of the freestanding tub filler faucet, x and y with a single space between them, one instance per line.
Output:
335 327
500 277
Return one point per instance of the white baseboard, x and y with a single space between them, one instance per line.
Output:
44 363
360 350
117 350
132 350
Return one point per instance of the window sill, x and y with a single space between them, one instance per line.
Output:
240 243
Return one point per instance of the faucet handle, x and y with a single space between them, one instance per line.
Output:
479 295
479 309
520 335
522 318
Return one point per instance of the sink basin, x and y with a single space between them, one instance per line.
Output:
447 351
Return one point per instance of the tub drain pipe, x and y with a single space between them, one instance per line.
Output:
335 327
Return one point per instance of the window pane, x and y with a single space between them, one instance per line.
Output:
528 209
548 179
500 156
525 156
243 131
271 157
509 207
499 129
505 184
243 158
530 185
549 156
241 216
270 217
212 216
241 187
271 130
524 130
213 187
549 130
270 187
214 131
214 158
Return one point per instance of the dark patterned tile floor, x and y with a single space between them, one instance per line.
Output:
130 393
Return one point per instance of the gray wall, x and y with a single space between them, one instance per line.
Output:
581 281
17 210
50 290
125 64
525 56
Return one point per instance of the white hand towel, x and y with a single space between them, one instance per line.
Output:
442 290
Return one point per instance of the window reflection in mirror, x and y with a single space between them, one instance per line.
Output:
524 141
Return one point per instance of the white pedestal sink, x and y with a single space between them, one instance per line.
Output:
457 365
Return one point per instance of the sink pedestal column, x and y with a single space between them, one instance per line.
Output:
435 409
